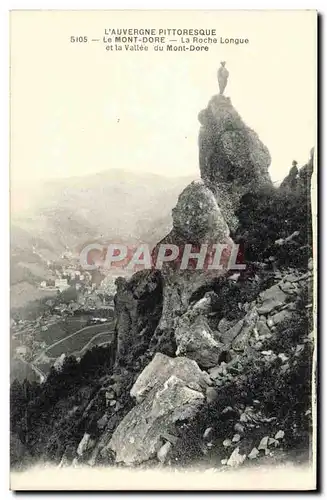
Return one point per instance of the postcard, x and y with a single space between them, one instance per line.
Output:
163 313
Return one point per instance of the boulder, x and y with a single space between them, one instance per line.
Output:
279 317
262 329
156 373
163 453
195 340
138 437
269 305
271 299
207 303
85 445
228 336
197 216
216 371
288 287
292 278
249 322
236 458
102 422
271 293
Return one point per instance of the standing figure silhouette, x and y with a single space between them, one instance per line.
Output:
222 75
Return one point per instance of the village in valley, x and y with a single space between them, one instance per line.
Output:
74 314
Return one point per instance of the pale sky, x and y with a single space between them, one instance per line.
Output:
77 109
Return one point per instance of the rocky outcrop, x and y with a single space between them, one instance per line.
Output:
171 390
178 291
192 323
197 217
197 220
272 307
233 160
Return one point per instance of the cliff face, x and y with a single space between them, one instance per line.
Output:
138 306
194 346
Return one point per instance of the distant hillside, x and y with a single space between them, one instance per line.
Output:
111 204
58 215
157 229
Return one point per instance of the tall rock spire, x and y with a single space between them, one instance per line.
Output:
233 160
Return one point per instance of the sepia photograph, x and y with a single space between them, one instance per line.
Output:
163 250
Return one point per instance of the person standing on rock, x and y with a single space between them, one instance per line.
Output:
222 75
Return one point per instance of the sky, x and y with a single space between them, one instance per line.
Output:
77 109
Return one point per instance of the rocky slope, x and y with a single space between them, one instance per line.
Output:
207 364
